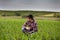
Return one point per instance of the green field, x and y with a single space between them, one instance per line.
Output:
10 29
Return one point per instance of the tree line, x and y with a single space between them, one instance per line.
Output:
24 13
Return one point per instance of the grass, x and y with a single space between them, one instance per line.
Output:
10 29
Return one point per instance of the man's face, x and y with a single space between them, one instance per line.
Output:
28 19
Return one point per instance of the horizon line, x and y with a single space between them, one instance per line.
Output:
27 10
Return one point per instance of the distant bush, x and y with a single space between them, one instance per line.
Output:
17 14
4 14
57 15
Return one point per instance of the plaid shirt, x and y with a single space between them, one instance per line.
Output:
32 25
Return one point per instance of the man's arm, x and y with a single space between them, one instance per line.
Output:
35 27
24 25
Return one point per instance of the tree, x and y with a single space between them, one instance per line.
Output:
17 14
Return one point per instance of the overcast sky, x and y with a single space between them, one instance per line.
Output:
39 5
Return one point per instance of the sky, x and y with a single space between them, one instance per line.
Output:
36 5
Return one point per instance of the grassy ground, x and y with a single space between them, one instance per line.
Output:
10 29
